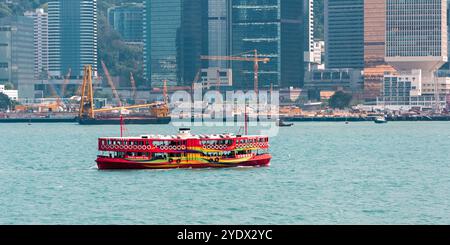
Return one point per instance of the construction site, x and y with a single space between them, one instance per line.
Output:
93 99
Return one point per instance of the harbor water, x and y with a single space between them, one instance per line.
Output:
321 173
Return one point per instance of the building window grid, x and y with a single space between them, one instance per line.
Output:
405 41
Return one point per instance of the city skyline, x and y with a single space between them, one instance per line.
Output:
176 34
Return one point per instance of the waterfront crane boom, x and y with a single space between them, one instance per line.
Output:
255 59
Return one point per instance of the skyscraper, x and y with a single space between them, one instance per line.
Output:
72 36
344 34
16 54
219 31
279 30
40 19
175 35
127 21
416 37
374 48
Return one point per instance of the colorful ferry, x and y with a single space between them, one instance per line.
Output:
183 150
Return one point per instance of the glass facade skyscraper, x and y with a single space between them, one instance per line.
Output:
175 36
277 30
72 31
219 31
344 34
162 26
127 21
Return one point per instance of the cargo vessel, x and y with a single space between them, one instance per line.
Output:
183 150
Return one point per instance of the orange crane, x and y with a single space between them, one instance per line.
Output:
255 59
87 100
111 84
133 86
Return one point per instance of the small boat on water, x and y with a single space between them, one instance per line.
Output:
183 150
281 123
380 120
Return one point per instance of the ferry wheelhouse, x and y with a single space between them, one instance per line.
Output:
183 150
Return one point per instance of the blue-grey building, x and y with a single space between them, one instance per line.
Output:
279 30
344 34
17 54
127 21
72 36
175 36
219 31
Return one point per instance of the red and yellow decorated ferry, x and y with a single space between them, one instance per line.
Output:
183 150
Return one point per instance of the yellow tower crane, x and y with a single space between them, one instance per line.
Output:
255 59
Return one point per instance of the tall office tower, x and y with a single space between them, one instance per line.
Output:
344 34
446 66
194 40
417 38
219 31
127 21
276 29
17 54
40 19
72 36
175 35
374 48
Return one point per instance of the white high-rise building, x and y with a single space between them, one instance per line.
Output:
417 38
40 19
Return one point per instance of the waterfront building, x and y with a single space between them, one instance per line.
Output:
127 20
17 54
174 39
375 65
40 19
405 90
279 30
344 34
72 36
11 93
417 38
332 80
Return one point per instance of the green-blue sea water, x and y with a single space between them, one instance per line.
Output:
321 173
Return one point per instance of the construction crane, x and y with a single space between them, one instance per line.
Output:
255 59
87 100
133 86
64 88
165 94
111 84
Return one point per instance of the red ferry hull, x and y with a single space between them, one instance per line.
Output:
104 163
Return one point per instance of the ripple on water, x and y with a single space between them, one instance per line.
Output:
321 173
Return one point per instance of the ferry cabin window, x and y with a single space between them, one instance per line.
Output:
159 156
